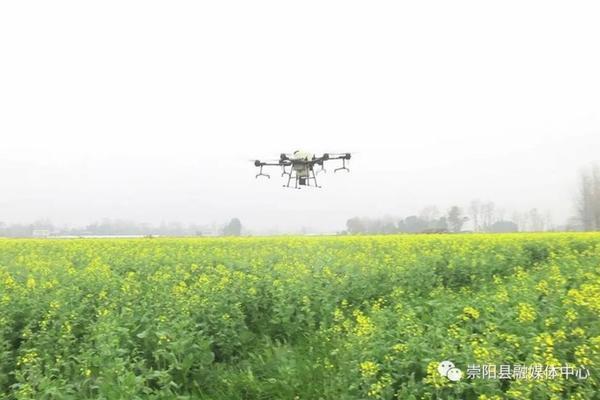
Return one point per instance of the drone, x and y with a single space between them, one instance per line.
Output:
299 166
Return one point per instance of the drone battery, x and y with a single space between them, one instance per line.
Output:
302 181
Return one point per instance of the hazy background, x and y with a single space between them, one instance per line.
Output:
150 111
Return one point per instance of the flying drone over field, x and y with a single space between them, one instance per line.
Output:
300 166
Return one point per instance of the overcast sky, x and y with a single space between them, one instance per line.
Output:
151 110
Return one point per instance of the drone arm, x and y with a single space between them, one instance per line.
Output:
339 156
343 157
336 156
261 164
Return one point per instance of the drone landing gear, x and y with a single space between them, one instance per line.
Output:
343 167
314 178
301 180
289 178
260 173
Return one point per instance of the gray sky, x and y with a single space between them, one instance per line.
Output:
150 110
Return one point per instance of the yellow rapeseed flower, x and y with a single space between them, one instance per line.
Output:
526 312
364 325
368 369
30 284
470 313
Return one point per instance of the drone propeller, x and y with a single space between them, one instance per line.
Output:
262 160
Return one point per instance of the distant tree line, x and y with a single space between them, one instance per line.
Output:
479 217
389 225
486 217
108 227
429 221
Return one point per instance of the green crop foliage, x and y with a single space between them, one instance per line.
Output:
354 317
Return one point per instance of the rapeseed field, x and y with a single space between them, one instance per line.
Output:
351 317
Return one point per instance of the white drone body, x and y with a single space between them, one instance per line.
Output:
300 163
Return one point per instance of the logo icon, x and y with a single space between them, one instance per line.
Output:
448 370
